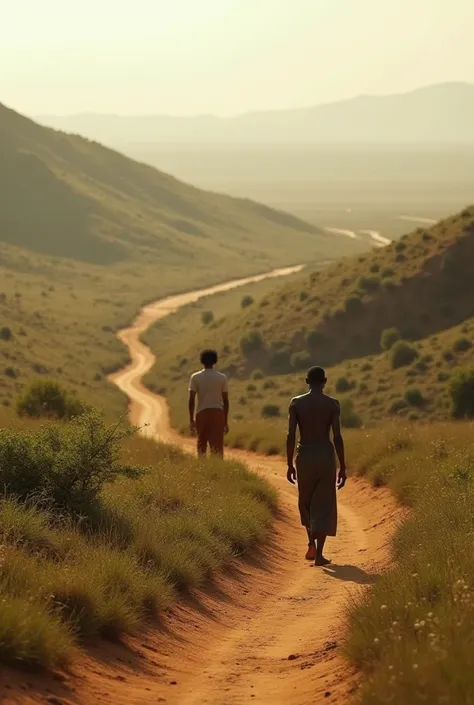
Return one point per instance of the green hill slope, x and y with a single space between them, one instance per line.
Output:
420 285
87 236
66 196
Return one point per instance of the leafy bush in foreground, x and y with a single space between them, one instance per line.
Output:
155 535
67 465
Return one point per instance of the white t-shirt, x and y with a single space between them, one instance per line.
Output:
209 386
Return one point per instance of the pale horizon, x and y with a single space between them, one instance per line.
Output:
225 57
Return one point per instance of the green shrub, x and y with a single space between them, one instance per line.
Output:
349 417
375 267
66 464
251 342
398 405
343 385
46 397
353 304
270 384
258 374
207 317
402 354
247 301
270 411
389 337
462 344
251 387
303 295
462 394
6 333
400 246
387 272
11 372
414 397
301 360
369 284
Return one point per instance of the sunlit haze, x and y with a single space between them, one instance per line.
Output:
224 56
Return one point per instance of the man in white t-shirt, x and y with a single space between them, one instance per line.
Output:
212 392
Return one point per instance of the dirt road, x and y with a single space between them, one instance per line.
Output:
268 629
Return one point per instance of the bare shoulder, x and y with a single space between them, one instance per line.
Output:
334 403
298 400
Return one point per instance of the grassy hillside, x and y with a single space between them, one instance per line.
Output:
64 195
411 635
149 523
420 285
87 235
373 388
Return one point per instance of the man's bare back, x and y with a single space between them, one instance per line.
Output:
314 415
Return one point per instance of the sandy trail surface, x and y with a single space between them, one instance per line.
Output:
267 630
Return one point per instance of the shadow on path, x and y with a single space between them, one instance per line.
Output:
350 574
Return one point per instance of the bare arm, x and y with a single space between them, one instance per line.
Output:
339 446
225 399
291 442
191 405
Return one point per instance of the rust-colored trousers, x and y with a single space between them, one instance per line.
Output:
210 430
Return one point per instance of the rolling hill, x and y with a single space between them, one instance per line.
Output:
88 235
442 113
66 196
420 286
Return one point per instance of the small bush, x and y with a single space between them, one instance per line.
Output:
374 268
414 397
270 411
387 272
67 464
402 354
301 360
353 304
247 301
258 374
11 372
207 317
398 405
6 333
46 397
400 246
251 387
343 385
462 344
369 284
251 342
349 417
389 337
462 394
303 295
270 384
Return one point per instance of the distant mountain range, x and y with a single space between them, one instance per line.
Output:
442 113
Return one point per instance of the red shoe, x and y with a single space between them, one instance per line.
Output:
311 552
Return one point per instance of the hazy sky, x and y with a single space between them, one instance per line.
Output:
224 56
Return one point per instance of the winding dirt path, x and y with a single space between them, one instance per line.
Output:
268 629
